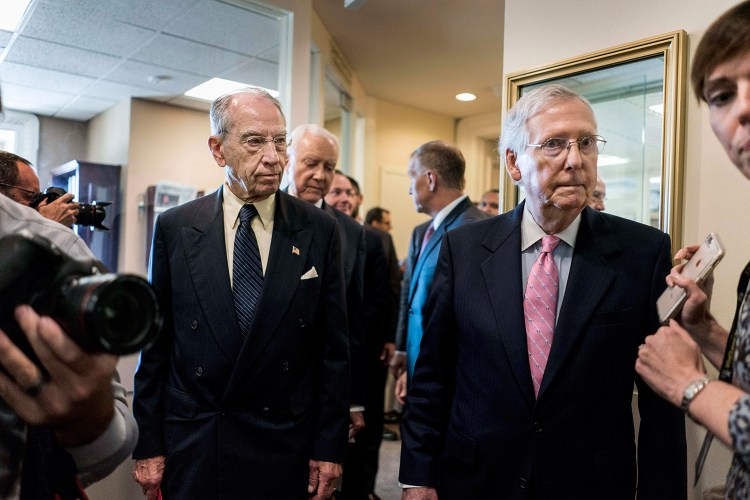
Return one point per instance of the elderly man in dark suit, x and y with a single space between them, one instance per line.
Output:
523 387
313 154
245 395
436 170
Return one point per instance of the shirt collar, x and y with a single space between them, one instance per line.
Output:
443 213
232 206
531 232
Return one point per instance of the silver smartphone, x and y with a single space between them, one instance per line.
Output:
697 268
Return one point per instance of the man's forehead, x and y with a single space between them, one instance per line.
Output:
563 117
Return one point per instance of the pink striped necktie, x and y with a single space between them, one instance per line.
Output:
540 308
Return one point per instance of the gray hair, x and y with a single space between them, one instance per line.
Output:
300 132
220 117
515 135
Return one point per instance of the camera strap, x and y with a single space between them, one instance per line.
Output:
725 373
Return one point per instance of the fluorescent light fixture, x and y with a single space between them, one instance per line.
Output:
216 87
465 96
657 108
12 14
606 160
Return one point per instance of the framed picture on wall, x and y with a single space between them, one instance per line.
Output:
637 92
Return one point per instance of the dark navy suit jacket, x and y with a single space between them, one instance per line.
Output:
473 427
239 418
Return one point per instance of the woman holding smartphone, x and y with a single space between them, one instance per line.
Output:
670 361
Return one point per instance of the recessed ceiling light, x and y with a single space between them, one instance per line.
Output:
12 14
465 96
216 87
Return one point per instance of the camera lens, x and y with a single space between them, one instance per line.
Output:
116 314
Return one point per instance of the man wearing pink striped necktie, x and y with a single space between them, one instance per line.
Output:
525 376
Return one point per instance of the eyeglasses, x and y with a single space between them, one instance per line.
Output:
30 195
587 146
255 142
483 204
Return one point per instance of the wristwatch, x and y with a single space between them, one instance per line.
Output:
691 391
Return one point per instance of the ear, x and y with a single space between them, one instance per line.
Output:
214 144
511 165
431 179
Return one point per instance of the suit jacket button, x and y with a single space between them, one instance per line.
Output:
222 414
199 371
522 483
411 312
285 366
301 323
266 410
194 325
537 427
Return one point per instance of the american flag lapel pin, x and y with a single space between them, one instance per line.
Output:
295 250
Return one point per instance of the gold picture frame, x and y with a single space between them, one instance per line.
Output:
616 80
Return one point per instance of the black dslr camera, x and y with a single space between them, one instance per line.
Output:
88 214
101 312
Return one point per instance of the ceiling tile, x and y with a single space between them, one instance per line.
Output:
193 57
228 27
59 57
43 78
61 23
256 72
151 14
22 97
5 37
104 89
138 74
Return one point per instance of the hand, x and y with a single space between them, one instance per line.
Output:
149 472
323 479
62 210
668 361
389 348
695 315
419 494
401 388
398 363
77 399
357 423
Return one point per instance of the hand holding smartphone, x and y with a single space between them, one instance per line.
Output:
697 269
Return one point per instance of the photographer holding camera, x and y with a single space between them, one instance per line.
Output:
67 428
19 182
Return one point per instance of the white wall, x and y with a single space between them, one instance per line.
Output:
716 197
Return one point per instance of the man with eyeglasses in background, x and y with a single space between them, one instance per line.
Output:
19 182
524 382
361 465
245 394
599 196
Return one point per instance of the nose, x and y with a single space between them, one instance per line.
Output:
573 158
743 101
270 154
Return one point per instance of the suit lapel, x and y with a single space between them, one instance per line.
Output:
503 280
205 250
435 239
591 275
416 258
283 273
